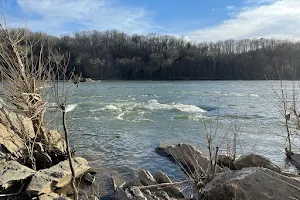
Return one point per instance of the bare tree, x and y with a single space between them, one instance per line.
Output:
24 74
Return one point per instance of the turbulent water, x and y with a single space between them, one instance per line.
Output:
118 124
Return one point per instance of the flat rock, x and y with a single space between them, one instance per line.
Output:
252 183
12 171
188 156
57 176
254 160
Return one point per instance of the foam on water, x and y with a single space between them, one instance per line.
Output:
134 111
120 116
155 105
254 95
71 107
110 107
188 108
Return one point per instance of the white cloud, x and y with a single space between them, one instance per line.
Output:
58 16
276 18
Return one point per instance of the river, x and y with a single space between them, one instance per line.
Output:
118 124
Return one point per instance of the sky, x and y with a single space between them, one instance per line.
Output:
196 20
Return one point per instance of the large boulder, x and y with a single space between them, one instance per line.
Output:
188 156
254 160
12 171
57 176
251 183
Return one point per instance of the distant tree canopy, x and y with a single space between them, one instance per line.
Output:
116 55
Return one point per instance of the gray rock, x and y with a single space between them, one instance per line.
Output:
295 160
163 195
161 177
89 178
252 183
123 194
146 177
172 191
254 160
137 193
12 171
57 176
131 193
188 156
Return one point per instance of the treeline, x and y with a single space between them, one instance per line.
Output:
116 55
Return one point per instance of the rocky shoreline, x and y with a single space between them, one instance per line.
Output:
28 168
249 177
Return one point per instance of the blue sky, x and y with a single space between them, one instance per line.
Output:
198 20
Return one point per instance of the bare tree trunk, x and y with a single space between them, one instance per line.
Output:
63 107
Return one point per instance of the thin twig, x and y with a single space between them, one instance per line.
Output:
163 185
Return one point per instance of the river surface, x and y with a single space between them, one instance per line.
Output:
118 124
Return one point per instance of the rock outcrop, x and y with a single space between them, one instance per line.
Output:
254 160
57 176
252 183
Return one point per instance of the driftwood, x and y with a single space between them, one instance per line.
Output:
163 185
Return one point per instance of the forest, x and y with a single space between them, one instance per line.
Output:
114 55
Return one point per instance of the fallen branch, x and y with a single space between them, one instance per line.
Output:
163 185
